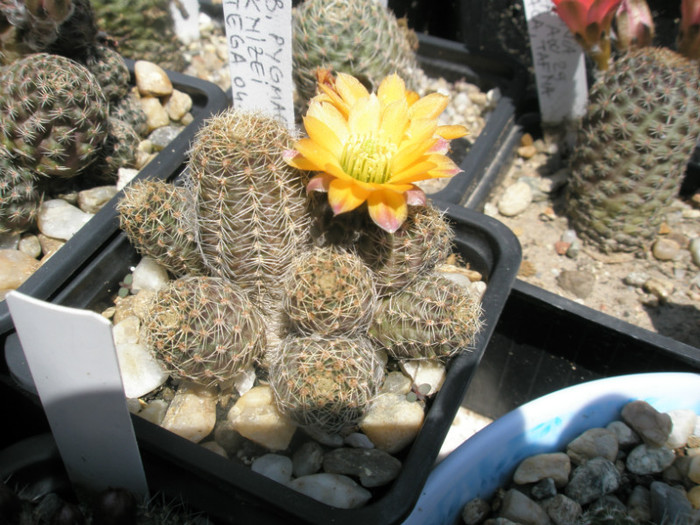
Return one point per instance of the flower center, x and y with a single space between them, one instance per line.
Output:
367 159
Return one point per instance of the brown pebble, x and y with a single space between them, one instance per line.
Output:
664 229
526 140
527 269
561 247
527 152
665 249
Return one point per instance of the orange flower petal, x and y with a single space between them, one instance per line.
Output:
350 89
452 132
364 116
416 172
388 209
421 129
320 182
331 116
416 197
297 160
394 121
323 135
391 89
315 154
444 166
344 196
430 106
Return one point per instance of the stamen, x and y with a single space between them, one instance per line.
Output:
367 158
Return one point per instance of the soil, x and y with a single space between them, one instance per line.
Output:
660 296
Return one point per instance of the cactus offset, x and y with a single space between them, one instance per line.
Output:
325 383
422 242
118 151
329 291
53 114
636 139
432 318
20 197
251 207
111 72
154 215
130 111
204 329
359 37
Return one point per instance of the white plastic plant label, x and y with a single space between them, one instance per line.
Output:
259 34
559 63
73 362
185 15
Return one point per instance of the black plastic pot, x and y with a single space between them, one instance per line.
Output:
231 491
207 99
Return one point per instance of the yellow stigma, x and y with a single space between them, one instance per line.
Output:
367 159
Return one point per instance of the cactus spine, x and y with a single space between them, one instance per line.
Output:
329 291
251 207
204 329
157 218
432 318
637 136
326 383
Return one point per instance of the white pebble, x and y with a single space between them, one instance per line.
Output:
151 79
274 466
192 413
515 199
335 490
428 372
60 220
141 372
683 422
149 275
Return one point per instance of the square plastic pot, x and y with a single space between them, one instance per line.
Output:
231 491
207 99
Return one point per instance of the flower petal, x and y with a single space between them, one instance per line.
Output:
391 89
331 117
323 135
319 182
416 197
444 166
429 106
421 129
416 172
388 209
350 89
297 160
573 14
364 116
315 154
452 132
346 195
394 121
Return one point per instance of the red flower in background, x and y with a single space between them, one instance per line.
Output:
635 26
590 21
689 35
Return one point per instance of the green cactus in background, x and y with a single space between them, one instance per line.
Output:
329 291
111 72
432 318
325 383
204 329
251 206
53 114
20 197
422 242
359 37
128 109
636 138
155 215
143 29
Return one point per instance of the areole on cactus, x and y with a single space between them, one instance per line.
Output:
374 147
590 21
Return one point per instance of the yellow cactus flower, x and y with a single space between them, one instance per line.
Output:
373 147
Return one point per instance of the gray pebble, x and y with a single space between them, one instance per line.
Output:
644 459
274 466
30 245
475 511
665 249
636 279
639 504
651 425
543 489
594 479
568 236
669 505
694 248
594 442
556 466
517 507
163 136
626 437
578 282
561 509
307 459
374 467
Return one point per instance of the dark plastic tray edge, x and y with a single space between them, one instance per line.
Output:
52 275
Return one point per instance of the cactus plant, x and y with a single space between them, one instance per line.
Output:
636 138
432 318
144 30
20 197
53 114
420 244
251 208
204 329
325 383
329 291
130 111
111 72
359 37
118 150
154 216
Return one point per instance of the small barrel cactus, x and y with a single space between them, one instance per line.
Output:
20 198
154 215
118 150
111 72
251 206
422 242
359 37
129 110
204 329
329 291
636 138
325 383
432 318
53 114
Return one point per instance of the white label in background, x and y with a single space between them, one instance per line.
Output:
559 64
71 356
259 34
185 15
